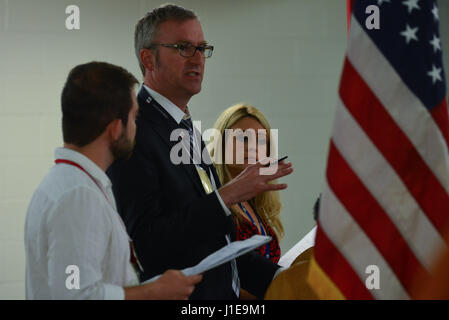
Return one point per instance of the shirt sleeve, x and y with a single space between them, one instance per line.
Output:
78 236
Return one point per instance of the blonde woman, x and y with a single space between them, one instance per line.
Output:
259 215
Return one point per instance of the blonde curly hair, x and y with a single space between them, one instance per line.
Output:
266 204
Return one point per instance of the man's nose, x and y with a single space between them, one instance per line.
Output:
197 58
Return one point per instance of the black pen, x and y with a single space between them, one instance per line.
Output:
281 159
276 161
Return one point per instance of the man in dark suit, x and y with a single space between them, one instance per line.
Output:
178 213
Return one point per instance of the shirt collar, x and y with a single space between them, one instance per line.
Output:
95 171
172 109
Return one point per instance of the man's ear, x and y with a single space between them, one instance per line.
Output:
115 129
148 58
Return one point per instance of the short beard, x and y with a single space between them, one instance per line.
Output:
122 148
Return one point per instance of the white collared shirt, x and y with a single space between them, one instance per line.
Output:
177 114
70 222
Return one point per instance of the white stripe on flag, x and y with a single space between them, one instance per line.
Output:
378 177
356 247
402 105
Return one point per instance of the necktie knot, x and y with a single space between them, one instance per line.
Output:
186 122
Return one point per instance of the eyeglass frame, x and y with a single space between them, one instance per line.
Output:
178 45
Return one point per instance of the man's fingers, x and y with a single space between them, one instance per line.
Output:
281 165
195 278
190 290
275 172
278 186
284 172
191 281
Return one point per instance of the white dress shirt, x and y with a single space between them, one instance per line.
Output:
177 114
70 222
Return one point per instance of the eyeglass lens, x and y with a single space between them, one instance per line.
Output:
189 51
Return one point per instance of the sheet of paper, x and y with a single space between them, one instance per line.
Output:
303 244
225 254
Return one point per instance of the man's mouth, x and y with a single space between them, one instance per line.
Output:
193 74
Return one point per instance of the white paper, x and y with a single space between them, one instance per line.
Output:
225 254
303 244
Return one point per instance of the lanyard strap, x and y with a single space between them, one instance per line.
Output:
267 246
72 163
133 257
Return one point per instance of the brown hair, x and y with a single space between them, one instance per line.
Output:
94 94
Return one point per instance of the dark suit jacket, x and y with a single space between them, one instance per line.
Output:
171 220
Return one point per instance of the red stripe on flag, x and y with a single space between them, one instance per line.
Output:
395 146
349 5
370 216
338 269
441 118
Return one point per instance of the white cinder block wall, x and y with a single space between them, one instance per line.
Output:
283 56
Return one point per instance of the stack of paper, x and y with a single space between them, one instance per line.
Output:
225 254
303 244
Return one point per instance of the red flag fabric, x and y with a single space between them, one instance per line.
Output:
349 11
385 204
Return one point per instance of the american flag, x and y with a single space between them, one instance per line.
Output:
385 202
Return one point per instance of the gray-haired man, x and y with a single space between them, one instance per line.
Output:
174 221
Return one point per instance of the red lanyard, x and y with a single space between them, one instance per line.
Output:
84 170
133 256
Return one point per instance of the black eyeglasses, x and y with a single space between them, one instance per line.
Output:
188 50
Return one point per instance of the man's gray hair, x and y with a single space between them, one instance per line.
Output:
148 26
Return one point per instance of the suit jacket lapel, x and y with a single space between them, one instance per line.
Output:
164 124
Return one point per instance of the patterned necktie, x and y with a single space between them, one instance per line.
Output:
203 172
194 150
